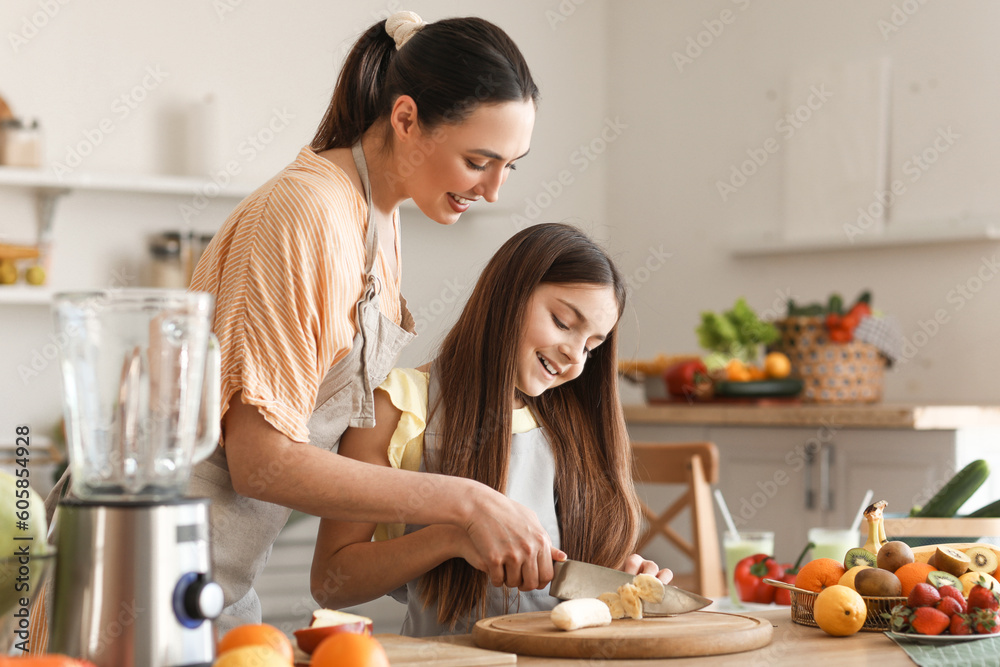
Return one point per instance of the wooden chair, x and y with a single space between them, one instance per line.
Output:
695 464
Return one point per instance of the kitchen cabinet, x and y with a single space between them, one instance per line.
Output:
791 468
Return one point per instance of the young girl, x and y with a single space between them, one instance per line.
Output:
522 397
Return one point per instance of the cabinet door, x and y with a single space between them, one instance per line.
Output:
766 475
904 468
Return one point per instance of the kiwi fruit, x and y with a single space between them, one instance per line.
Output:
894 555
932 561
859 556
877 583
951 560
938 578
983 559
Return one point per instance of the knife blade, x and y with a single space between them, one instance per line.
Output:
574 579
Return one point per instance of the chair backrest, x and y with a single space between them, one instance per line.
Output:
696 466
667 463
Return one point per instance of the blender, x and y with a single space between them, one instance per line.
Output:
133 581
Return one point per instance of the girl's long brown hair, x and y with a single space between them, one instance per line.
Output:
597 506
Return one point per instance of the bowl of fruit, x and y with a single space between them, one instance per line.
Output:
901 589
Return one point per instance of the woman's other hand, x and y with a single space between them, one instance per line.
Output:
636 564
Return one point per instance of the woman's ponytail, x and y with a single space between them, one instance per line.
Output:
358 95
449 68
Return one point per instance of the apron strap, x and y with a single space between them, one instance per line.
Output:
368 299
371 237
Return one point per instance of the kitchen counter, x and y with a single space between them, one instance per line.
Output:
791 645
791 467
876 415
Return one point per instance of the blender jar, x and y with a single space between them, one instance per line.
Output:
140 390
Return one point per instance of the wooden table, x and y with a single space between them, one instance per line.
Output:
793 645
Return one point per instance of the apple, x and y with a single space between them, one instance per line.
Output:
328 622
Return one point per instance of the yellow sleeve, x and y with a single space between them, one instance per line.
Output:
407 389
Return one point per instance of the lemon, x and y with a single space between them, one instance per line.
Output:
839 611
848 578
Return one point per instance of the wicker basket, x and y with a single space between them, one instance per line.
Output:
877 619
831 372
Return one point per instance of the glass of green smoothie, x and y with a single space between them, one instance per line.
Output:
738 546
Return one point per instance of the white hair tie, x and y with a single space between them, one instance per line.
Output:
403 25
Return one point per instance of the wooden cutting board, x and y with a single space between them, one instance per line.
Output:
695 634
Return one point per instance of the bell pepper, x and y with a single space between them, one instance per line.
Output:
749 575
688 379
841 325
783 595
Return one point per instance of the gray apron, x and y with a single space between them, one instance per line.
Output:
244 529
531 478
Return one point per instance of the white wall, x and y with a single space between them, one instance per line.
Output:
689 125
271 71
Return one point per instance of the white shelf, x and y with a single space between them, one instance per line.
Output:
894 235
25 295
45 180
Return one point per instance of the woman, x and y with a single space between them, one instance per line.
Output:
308 311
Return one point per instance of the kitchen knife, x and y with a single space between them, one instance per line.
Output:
574 579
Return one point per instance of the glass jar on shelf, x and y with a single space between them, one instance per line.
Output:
167 267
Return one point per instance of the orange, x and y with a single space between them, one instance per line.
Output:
260 634
912 574
253 655
848 578
819 573
349 650
839 611
777 365
737 371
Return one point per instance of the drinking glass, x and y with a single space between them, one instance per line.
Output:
833 542
738 546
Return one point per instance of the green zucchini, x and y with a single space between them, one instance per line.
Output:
947 501
991 511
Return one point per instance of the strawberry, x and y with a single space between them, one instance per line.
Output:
923 595
900 618
949 606
955 594
960 625
981 597
985 621
930 621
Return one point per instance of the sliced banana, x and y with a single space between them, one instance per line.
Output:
614 602
631 602
650 588
581 613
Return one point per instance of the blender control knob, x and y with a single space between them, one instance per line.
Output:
204 599
197 599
